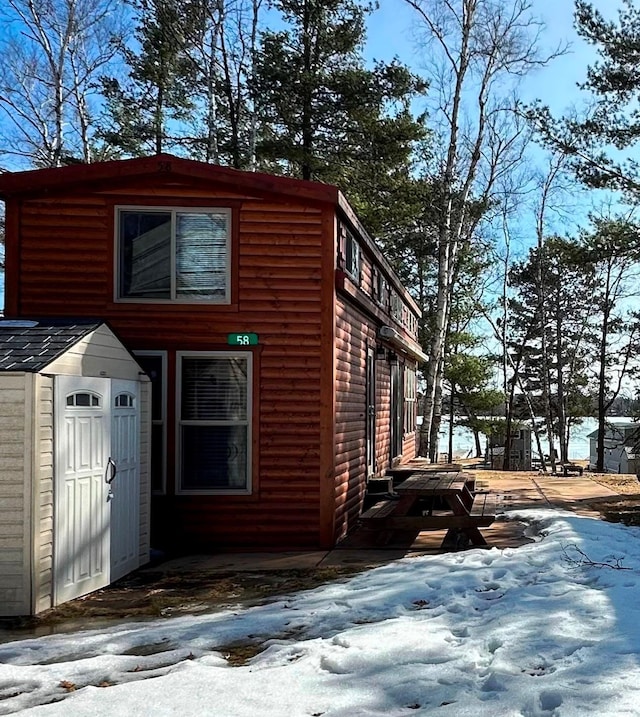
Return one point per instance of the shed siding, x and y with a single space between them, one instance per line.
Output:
15 495
43 490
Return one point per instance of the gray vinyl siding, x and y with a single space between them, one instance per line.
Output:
43 490
15 493
98 354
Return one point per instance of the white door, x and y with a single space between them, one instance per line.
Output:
81 494
124 474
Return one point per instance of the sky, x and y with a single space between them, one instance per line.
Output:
549 629
392 33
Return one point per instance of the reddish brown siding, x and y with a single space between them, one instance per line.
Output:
354 335
309 433
67 269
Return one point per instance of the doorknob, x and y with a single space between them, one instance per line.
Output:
110 471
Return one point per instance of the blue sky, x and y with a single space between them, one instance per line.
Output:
390 34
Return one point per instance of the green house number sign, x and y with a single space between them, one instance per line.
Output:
242 339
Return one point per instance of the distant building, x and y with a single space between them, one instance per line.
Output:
621 454
520 451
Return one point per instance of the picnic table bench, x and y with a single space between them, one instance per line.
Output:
428 501
571 468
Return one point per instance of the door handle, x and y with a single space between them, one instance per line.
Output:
110 471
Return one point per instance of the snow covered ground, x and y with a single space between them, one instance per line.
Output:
551 628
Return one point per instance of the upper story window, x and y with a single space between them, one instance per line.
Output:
179 255
352 257
380 288
396 306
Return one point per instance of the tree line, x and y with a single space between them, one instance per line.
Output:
437 164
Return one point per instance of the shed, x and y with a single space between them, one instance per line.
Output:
620 448
74 442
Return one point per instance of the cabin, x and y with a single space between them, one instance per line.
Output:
280 344
621 452
75 418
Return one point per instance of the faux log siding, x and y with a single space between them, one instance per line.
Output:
366 275
383 416
409 446
66 270
65 257
353 336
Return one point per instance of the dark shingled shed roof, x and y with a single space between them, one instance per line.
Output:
32 344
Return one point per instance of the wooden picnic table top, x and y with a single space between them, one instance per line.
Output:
407 469
432 484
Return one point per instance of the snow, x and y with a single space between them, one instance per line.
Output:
548 629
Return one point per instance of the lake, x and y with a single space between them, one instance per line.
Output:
463 443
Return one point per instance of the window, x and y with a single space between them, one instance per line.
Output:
380 288
154 364
124 400
352 257
177 255
83 400
409 399
214 422
396 306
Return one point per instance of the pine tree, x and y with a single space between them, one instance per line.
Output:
146 111
323 114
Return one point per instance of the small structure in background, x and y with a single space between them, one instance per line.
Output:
621 448
519 450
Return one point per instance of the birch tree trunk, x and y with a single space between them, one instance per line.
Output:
53 52
479 46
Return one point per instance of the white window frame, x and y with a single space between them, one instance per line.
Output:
180 355
173 210
163 356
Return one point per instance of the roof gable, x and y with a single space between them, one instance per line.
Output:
165 166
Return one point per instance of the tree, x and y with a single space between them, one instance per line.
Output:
611 122
471 393
223 47
322 114
613 248
554 353
53 52
146 111
478 47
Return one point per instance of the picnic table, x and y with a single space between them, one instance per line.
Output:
443 500
572 468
